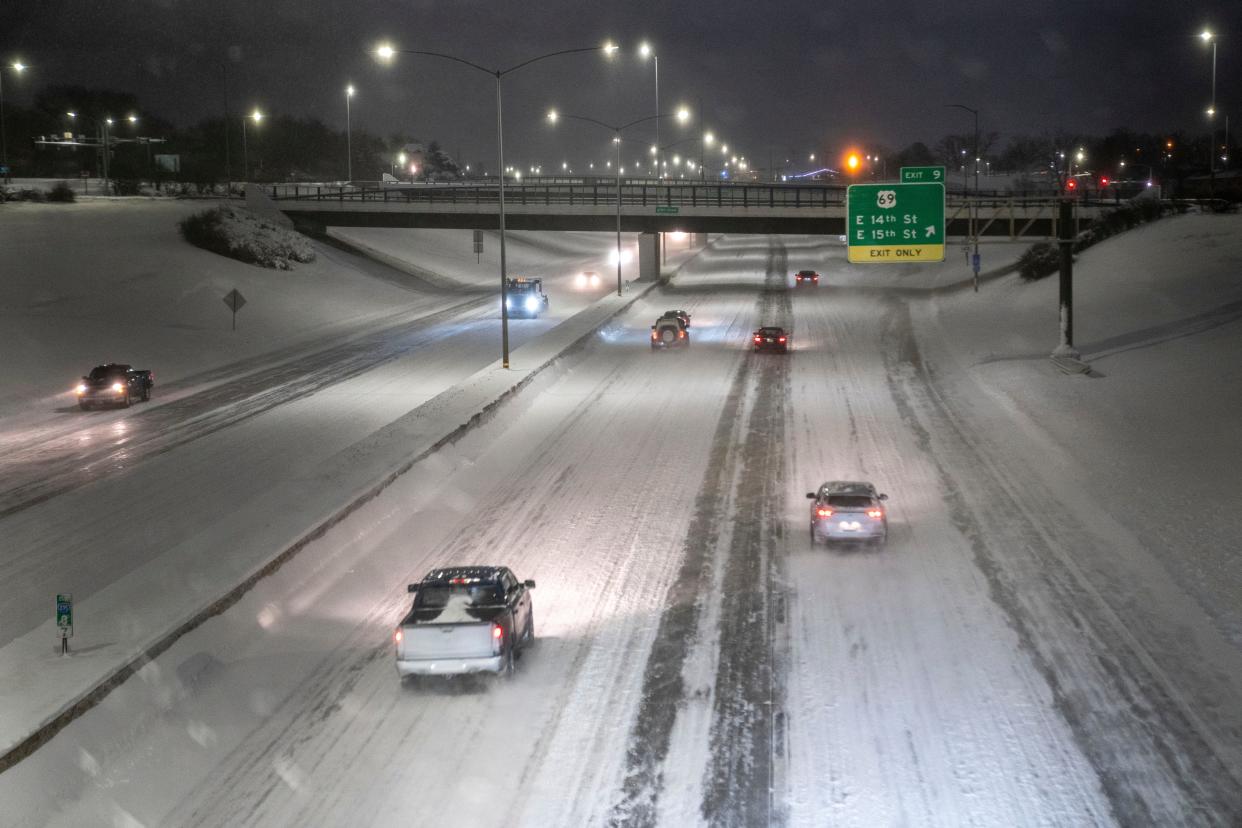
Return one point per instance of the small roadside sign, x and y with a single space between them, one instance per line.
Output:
667 210
234 301
888 223
922 175
64 619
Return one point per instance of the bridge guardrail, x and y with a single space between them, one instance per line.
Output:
603 193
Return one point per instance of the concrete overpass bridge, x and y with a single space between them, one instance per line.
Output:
647 206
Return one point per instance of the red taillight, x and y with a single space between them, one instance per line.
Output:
681 334
874 513
396 636
497 632
758 339
653 335
782 339
823 512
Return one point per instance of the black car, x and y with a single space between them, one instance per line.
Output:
771 339
114 384
807 277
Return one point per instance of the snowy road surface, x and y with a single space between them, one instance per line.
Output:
698 661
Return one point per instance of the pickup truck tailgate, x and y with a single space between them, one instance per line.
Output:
440 641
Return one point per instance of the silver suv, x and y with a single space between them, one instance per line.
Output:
850 511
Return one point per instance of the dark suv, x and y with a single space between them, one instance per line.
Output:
807 277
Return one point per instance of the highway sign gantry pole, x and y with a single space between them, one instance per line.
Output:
887 223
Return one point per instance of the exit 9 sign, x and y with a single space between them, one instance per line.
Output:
888 223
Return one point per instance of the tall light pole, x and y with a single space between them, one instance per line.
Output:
973 207
682 115
256 116
349 153
386 52
645 51
1207 37
18 67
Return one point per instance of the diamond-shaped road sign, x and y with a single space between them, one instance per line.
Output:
234 300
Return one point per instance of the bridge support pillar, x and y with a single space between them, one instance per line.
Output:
648 257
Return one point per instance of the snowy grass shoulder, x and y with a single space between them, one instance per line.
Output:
241 235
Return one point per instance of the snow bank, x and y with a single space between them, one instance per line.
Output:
112 281
242 235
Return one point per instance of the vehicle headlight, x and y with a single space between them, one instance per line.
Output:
117 387
581 280
594 280
80 389
532 303
508 303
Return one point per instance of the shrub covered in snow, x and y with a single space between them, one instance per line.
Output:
1043 258
62 192
239 234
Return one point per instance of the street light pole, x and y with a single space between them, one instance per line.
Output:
18 67
974 206
386 52
1208 37
681 115
349 150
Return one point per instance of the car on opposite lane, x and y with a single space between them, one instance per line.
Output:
848 510
771 338
114 384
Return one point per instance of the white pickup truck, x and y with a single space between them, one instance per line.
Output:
467 619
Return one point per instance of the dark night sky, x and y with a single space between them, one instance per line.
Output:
793 77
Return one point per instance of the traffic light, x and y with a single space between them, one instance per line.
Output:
1071 185
1103 181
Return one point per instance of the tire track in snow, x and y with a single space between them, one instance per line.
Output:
738 779
1153 760
747 442
58 466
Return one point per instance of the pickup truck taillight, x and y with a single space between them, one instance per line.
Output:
396 636
498 637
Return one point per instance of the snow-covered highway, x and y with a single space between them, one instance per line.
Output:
698 662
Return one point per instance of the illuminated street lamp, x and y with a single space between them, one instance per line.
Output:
386 52
349 153
1207 37
645 51
682 115
18 67
255 116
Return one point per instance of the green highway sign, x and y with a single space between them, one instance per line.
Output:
895 223
922 175
667 210
64 612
